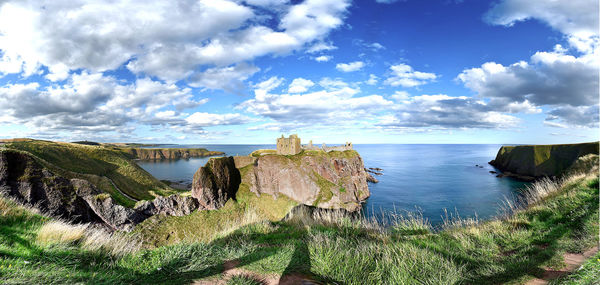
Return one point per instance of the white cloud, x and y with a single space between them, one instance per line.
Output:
565 78
372 79
400 96
332 84
227 78
264 87
325 107
89 104
320 47
404 75
200 119
582 116
172 40
300 85
323 58
350 67
573 17
443 111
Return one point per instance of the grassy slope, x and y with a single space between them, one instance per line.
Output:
510 250
94 163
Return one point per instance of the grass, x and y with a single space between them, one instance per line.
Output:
243 280
98 164
552 218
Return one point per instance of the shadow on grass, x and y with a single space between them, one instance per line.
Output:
526 259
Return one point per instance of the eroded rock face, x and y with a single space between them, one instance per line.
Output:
23 179
216 182
174 205
335 180
77 200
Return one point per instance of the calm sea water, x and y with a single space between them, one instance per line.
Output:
424 178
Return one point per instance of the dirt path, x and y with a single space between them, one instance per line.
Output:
123 193
230 268
573 262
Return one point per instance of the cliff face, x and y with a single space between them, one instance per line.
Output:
334 180
532 161
168 153
216 182
27 181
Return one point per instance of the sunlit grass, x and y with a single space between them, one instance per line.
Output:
552 218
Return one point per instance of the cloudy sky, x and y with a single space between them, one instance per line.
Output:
228 71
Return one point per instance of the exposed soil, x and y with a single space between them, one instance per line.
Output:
573 262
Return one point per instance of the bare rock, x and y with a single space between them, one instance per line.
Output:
371 179
335 180
216 182
174 205
25 180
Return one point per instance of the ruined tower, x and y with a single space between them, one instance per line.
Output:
289 146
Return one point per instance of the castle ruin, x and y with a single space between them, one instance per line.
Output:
289 146
292 146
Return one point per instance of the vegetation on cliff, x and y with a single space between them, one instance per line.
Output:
541 160
553 217
168 153
109 169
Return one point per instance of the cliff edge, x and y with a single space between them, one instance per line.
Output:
528 162
333 180
168 153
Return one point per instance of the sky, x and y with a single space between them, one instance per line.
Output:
246 72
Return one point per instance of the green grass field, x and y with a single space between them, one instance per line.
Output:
329 248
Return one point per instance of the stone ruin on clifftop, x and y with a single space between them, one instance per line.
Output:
289 146
292 146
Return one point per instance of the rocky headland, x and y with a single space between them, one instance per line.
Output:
75 182
168 153
333 180
529 162
25 180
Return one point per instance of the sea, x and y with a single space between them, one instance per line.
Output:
435 181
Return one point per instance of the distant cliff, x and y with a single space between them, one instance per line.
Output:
532 161
168 153
335 180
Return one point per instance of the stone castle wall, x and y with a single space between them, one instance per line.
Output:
325 148
289 146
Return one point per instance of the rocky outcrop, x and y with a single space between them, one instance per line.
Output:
174 205
27 181
23 179
168 153
535 161
216 182
335 180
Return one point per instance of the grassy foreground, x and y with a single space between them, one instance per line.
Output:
553 218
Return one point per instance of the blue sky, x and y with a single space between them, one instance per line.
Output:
225 71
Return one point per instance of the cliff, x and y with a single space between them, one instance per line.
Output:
168 153
528 162
216 182
335 180
25 179
109 169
